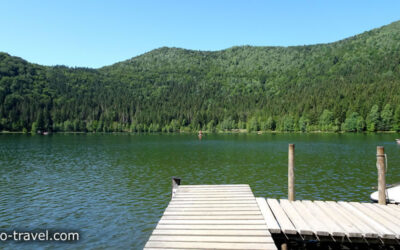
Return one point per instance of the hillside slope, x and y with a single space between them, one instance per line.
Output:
352 85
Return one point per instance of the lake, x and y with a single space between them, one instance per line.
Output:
113 188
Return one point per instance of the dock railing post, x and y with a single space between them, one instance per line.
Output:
176 181
291 192
380 163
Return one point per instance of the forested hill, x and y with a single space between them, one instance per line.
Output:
349 85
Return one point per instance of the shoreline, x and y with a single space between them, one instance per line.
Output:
236 131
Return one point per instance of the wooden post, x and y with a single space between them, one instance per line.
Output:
291 192
176 181
284 246
380 160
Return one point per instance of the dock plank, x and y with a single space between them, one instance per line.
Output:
213 217
269 217
211 213
344 224
210 238
318 228
364 228
213 205
297 219
212 208
379 217
177 202
378 228
284 222
209 245
213 222
182 199
395 215
221 232
327 223
211 227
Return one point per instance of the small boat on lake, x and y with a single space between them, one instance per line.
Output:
392 194
398 141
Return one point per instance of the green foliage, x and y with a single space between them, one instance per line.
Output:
387 117
373 119
304 123
169 89
252 125
396 120
34 128
227 124
326 121
354 123
288 124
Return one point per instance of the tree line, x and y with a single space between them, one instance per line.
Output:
352 85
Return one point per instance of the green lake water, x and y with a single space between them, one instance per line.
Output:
113 188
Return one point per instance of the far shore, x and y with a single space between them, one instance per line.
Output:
233 131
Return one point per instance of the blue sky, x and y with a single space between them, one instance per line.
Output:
95 33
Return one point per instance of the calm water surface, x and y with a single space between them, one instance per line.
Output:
113 188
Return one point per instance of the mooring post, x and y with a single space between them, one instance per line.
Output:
291 192
176 181
380 162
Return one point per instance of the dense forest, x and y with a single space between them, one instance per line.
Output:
350 85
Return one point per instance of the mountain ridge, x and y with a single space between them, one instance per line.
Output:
254 87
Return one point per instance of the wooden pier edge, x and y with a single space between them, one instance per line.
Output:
228 216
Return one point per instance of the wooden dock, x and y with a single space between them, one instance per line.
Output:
333 221
230 217
212 217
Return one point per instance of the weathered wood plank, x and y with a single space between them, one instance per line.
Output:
341 220
318 228
379 217
205 190
177 202
269 217
323 219
222 232
213 222
395 215
211 195
366 229
284 222
397 207
379 229
301 226
246 198
209 245
213 217
212 227
210 238
222 189
211 205
212 208
211 213
214 186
